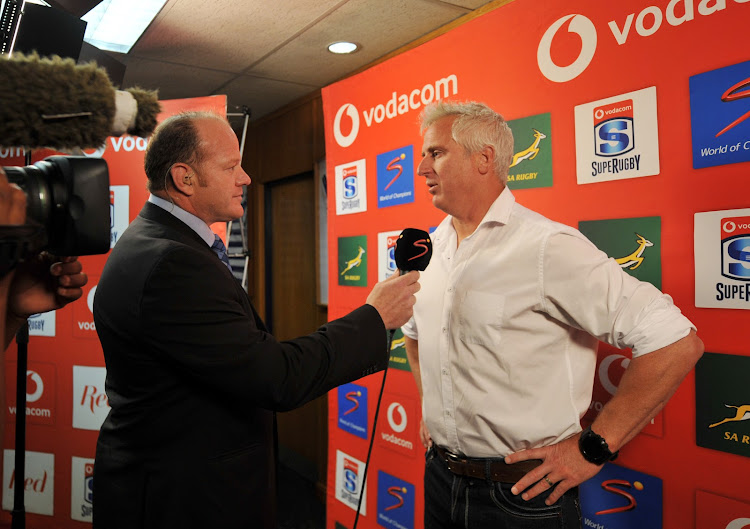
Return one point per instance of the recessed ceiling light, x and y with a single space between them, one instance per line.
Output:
343 47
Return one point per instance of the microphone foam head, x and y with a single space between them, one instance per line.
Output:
413 250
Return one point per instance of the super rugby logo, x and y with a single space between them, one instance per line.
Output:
646 23
347 116
735 243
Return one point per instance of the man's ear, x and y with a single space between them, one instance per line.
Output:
485 159
183 178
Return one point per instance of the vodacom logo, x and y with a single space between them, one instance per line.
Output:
351 111
729 226
585 29
37 380
400 425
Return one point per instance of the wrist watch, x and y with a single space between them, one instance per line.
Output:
594 448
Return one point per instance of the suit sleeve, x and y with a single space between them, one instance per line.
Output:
195 318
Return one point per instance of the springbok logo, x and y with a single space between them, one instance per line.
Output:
398 343
635 259
348 139
531 152
743 414
353 263
585 29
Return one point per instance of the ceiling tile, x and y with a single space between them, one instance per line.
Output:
262 96
227 34
173 81
378 27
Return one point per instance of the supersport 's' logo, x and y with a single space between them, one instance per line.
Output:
352 396
585 29
393 165
732 95
420 243
396 492
609 486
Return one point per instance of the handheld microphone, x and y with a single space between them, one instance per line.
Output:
413 252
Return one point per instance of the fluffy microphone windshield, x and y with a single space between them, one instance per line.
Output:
53 102
413 250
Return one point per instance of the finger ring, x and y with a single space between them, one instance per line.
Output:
549 482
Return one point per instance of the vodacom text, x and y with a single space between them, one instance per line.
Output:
397 105
646 23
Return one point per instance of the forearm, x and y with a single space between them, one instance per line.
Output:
646 386
412 354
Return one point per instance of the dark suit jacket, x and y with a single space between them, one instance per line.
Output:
192 376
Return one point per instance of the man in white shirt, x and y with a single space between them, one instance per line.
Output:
503 341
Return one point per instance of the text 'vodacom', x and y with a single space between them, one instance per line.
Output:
397 105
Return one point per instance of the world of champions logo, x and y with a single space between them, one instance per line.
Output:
585 29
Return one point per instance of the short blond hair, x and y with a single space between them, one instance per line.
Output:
475 127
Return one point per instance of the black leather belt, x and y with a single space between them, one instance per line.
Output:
493 469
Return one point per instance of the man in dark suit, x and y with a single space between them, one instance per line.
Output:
192 375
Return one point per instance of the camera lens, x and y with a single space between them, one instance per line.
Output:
68 197
44 189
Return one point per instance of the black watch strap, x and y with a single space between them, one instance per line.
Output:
594 447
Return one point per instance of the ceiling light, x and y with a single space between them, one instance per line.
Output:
115 25
343 47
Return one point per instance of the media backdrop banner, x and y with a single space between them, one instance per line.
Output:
66 402
631 123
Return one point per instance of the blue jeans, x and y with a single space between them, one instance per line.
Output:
458 502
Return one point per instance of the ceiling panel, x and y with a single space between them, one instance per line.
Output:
226 35
263 96
173 81
379 27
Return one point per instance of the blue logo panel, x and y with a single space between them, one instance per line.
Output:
395 177
395 502
353 409
621 498
720 116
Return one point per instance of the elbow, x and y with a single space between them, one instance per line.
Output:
695 347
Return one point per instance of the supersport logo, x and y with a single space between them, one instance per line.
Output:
609 486
352 396
732 95
396 492
393 165
420 243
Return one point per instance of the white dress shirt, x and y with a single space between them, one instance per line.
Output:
198 226
508 324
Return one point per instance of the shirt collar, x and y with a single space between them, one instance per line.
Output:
444 237
196 224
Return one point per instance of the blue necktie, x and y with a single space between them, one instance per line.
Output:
221 251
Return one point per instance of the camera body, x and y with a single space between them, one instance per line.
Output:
67 205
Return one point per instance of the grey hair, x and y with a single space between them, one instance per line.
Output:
476 126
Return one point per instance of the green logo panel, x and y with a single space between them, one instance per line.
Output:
353 261
634 243
398 359
722 403
532 159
